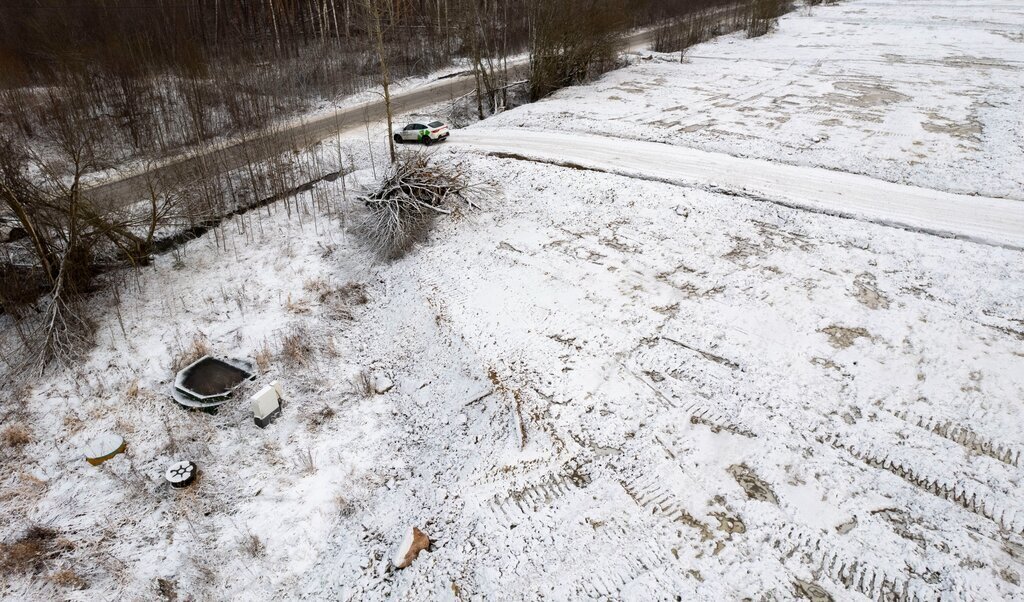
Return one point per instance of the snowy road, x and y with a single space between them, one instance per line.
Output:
981 219
226 156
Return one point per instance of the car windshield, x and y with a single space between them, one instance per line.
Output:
436 124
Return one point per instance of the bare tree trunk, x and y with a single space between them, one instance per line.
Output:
377 29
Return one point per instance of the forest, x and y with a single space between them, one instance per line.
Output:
152 76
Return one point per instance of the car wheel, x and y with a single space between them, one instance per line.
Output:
398 138
428 141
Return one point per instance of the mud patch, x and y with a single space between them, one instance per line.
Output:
865 290
811 591
860 94
842 337
730 524
969 129
847 526
742 249
752 484
900 523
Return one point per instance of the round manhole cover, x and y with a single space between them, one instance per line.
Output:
181 474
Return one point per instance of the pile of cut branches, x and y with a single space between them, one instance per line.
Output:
401 209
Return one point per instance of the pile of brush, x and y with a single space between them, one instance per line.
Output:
403 206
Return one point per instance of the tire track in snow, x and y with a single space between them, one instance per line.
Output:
986 220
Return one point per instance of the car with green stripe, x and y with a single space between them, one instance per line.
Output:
425 132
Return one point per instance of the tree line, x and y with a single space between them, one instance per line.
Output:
154 76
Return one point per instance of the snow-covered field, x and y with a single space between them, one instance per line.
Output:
920 92
605 387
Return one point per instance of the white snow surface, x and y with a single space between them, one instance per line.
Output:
605 386
988 220
918 92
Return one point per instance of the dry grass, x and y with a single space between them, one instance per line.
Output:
345 507
353 293
16 436
132 392
253 545
28 554
195 350
363 383
316 286
317 419
304 461
337 301
69 579
263 357
295 347
299 306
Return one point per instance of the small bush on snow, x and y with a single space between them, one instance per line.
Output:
15 436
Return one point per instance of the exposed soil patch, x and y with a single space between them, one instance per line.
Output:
842 337
860 94
752 484
866 291
969 129
811 591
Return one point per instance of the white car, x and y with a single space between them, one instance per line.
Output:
431 132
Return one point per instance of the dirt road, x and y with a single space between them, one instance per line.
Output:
261 146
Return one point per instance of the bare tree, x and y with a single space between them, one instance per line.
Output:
374 17
573 41
68 239
763 16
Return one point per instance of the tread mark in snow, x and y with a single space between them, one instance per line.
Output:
1007 518
706 354
648 493
532 497
698 413
962 435
845 568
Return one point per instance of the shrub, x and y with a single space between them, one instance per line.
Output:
295 347
16 436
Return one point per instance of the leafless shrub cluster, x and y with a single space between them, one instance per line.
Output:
363 383
703 22
764 14
570 44
65 239
414 191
